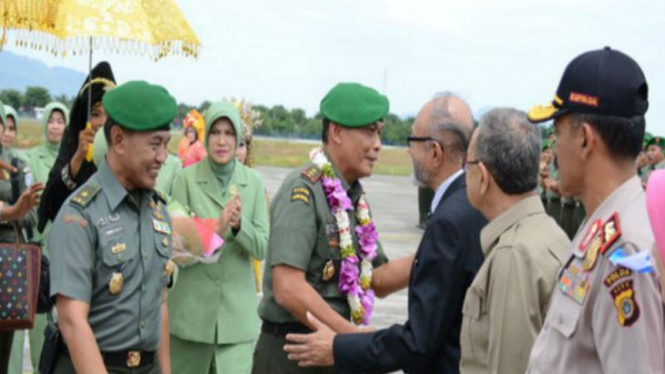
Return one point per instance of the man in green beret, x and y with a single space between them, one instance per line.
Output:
111 243
316 262
655 152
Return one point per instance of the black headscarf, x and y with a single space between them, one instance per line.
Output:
56 192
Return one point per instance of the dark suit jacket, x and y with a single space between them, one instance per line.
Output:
447 260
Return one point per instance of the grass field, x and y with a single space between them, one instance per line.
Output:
281 153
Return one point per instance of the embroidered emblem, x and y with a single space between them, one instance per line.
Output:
628 312
73 218
611 232
617 275
301 194
312 173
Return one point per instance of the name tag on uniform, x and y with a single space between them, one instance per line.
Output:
161 226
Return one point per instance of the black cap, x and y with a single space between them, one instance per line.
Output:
605 82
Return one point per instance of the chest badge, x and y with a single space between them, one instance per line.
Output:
328 271
161 226
116 283
118 248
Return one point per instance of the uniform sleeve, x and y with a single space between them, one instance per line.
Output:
511 310
293 230
628 322
72 245
253 234
434 301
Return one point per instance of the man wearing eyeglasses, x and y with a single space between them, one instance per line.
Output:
524 248
445 264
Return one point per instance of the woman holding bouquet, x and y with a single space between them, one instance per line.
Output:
212 308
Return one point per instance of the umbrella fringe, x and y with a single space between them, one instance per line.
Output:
39 40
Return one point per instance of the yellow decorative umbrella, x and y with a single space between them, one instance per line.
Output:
155 28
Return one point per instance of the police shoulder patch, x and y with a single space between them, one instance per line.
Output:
312 173
628 311
85 195
301 194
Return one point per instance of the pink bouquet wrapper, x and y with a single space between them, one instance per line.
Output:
656 208
209 238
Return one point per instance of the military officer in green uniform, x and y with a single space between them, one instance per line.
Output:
304 262
111 243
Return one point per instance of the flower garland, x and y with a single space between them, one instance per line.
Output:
355 283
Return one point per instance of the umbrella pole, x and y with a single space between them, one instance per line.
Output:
89 80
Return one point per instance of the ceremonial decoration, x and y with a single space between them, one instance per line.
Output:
354 280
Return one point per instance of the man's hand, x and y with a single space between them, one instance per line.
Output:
315 349
28 200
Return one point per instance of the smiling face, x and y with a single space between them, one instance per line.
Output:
146 153
55 127
222 141
359 148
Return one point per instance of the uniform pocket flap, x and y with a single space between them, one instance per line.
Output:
565 319
472 305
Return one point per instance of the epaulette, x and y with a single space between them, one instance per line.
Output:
312 173
85 195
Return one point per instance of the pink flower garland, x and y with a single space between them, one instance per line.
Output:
355 273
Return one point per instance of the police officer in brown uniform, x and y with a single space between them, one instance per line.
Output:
606 314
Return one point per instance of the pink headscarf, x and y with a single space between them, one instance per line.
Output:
656 208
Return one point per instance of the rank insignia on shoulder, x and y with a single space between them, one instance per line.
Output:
611 232
628 312
312 173
85 195
593 230
75 218
301 194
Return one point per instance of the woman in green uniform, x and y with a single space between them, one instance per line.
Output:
42 157
212 308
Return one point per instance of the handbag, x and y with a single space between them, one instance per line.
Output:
20 270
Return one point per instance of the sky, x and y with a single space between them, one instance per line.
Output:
492 53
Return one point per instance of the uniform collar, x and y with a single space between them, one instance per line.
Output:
499 225
206 178
114 191
627 193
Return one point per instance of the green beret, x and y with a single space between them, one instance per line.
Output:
647 139
2 113
354 105
140 106
657 140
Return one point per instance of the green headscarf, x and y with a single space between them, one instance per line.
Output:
223 109
42 158
48 110
9 111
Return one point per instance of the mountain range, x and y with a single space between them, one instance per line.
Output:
18 72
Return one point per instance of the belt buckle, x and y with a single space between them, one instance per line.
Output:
133 359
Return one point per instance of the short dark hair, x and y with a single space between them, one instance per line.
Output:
622 136
108 125
324 132
509 146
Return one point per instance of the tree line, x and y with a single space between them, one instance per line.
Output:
276 121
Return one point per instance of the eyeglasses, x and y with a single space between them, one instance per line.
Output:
418 139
